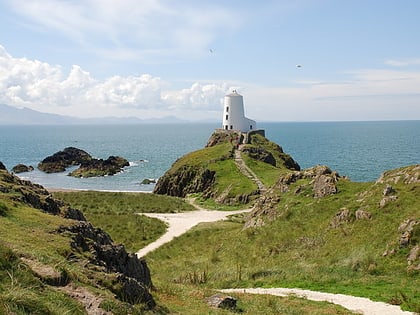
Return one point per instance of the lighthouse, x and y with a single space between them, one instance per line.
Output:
234 115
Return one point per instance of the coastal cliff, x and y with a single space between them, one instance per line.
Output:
62 252
215 170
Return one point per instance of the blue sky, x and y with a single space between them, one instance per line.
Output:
359 60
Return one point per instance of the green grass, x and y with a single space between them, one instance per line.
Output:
300 249
118 214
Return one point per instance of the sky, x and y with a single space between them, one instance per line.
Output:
300 60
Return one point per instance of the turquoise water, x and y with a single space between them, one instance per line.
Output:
360 150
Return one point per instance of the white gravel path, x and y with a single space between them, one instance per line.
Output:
179 223
352 303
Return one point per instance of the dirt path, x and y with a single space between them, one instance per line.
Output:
179 223
244 169
352 303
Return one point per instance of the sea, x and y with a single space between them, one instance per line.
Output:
360 150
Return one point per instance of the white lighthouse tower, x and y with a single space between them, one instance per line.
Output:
234 116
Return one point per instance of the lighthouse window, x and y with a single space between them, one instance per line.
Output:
227 109
227 117
250 127
231 127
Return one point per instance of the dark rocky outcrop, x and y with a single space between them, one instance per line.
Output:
221 136
58 162
187 179
22 168
89 167
223 301
2 167
133 275
32 194
260 154
99 167
148 181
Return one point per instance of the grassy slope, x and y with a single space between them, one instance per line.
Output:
27 232
117 213
300 248
101 207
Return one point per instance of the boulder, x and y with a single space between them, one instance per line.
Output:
2 167
406 229
222 301
22 168
388 190
362 215
324 185
148 181
384 201
343 216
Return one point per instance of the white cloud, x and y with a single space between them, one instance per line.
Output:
365 94
403 62
44 87
141 30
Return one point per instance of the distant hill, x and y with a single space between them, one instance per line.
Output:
10 115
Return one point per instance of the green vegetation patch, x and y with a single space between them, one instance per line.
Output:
117 213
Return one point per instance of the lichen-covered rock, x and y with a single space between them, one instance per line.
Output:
22 168
406 175
362 215
342 216
385 200
406 229
58 162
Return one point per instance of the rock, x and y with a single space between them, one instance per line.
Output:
260 154
384 201
74 214
222 136
406 229
362 215
58 162
222 301
185 180
343 216
2 167
134 275
148 181
134 291
324 185
388 190
414 254
407 175
21 168
99 167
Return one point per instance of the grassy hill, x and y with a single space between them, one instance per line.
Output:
310 228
